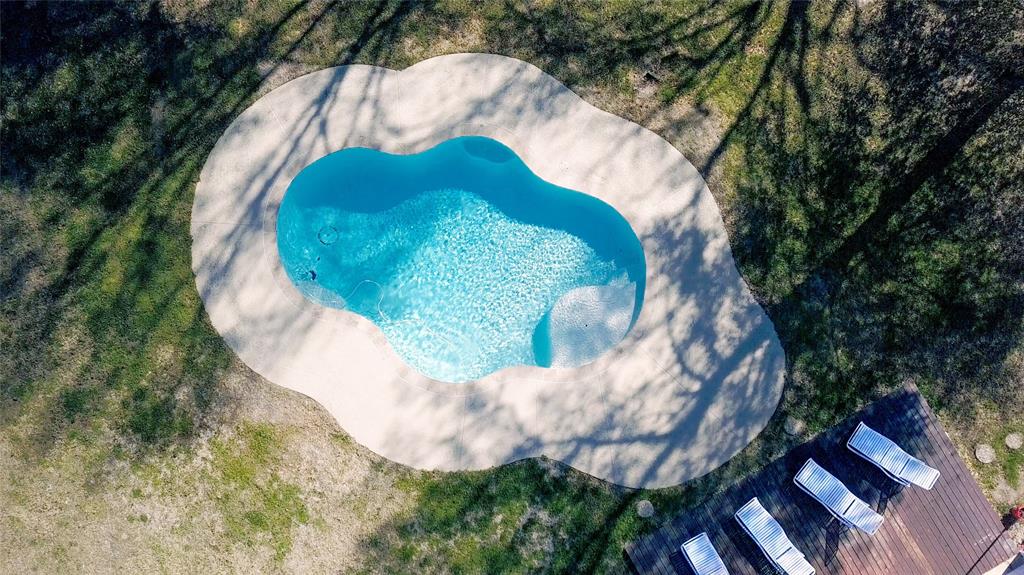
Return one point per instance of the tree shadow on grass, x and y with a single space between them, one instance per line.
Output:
876 215
904 204
876 205
110 111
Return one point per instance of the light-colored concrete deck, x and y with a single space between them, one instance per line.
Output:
695 381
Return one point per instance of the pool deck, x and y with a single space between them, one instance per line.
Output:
694 382
948 530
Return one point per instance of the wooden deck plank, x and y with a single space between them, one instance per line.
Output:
937 532
712 522
857 545
949 503
840 541
983 528
914 506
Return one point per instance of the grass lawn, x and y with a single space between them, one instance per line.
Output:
866 158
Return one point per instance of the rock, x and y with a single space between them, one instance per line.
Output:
985 453
644 508
1014 440
794 426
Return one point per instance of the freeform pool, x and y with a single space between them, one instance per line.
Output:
695 380
466 260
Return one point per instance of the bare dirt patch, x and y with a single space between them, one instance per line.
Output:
86 509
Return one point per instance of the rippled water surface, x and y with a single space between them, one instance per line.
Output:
466 260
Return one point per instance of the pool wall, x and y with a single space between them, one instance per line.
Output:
693 382
477 264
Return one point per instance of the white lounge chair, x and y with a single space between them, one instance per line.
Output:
702 557
902 467
769 536
840 501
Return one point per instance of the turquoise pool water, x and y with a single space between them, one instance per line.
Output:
466 260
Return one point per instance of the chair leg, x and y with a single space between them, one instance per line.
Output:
834 530
884 497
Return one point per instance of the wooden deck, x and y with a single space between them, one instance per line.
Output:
951 529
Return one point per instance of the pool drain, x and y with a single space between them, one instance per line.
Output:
327 235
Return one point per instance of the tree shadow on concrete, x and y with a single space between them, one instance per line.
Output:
875 210
112 110
875 176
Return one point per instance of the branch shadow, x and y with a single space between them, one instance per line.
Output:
98 75
826 175
853 186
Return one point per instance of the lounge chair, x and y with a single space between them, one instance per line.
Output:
769 536
902 467
702 557
840 501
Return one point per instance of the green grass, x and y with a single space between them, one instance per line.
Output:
1008 465
868 170
1012 462
257 505
470 519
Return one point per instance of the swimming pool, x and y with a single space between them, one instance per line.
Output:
467 261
